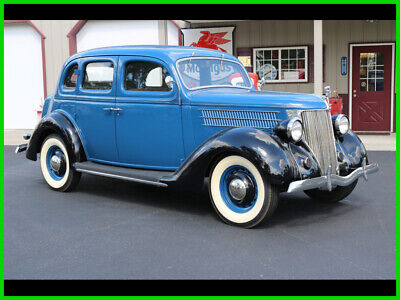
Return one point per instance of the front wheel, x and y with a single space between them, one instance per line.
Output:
56 165
337 194
240 194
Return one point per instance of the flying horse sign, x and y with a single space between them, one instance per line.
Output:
217 38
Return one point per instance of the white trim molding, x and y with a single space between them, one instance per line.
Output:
318 58
392 88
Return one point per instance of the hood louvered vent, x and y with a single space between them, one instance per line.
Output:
239 118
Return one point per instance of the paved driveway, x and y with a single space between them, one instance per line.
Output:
114 229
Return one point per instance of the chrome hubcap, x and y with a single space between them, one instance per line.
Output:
55 163
241 188
237 189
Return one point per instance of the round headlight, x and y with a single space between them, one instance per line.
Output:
295 129
341 124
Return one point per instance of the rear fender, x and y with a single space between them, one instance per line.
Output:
56 123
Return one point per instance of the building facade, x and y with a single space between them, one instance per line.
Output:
356 58
366 86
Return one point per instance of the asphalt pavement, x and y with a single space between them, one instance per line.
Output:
111 229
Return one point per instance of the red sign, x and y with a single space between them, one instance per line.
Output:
216 38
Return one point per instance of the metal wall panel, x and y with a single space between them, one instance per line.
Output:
337 35
56 47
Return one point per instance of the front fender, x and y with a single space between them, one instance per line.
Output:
56 123
353 149
266 151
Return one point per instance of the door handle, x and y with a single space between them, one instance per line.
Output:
111 109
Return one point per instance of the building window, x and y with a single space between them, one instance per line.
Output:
371 71
283 64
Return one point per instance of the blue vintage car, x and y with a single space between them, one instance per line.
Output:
174 116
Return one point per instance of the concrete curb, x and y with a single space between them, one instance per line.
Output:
379 142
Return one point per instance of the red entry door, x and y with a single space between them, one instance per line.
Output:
371 88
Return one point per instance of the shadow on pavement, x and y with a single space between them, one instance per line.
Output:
293 210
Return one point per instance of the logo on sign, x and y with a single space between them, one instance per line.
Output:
211 40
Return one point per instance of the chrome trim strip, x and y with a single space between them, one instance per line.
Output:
228 118
121 177
332 179
240 110
230 126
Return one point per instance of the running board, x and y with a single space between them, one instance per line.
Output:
137 175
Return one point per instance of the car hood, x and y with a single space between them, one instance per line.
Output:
253 98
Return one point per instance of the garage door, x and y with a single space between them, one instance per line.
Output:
96 33
23 75
104 33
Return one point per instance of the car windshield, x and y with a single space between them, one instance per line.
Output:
208 72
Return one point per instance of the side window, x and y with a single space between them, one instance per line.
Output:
98 76
145 76
71 78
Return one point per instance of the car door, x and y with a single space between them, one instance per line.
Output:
94 109
148 121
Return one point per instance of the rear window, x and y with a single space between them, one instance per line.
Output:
71 78
98 76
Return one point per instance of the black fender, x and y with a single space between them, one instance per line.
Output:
352 148
266 151
56 123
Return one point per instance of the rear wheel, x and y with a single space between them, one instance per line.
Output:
337 194
56 165
240 194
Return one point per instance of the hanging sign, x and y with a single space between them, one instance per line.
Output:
217 38
343 64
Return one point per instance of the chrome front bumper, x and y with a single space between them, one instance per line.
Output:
332 180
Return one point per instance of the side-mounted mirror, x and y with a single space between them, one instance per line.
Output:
169 81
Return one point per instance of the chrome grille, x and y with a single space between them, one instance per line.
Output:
318 133
239 118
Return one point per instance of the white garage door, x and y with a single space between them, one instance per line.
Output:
96 33
23 76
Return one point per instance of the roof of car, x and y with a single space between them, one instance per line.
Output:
163 52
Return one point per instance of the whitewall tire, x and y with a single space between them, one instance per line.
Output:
56 164
239 192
